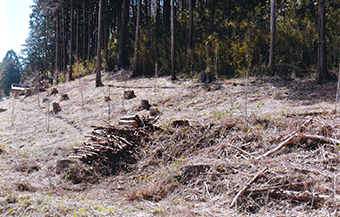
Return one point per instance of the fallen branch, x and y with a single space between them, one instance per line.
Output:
234 202
299 137
320 138
277 187
304 196
293 115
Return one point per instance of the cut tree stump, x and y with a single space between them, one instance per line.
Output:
154 111
64 97
54 91
56 108
145 104
129 94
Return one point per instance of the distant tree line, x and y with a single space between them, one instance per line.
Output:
10 72
227 37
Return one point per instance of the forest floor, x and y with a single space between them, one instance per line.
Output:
271 152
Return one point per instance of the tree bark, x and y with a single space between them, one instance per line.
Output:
70 71
136 55
271 63
121 46
99 56
173 74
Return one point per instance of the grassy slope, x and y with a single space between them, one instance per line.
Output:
30 185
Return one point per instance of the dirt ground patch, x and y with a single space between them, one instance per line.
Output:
262 147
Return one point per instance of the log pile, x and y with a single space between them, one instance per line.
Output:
110 149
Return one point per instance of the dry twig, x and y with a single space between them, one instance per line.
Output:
234 202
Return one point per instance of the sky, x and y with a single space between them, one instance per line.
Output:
14 22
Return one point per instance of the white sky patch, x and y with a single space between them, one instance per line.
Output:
14 23
3 29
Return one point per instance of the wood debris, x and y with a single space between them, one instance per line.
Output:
111 148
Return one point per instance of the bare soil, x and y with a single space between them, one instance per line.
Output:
255 147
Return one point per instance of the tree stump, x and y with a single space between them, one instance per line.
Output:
64 97
129 94
54 91
154 111
56 108
145 104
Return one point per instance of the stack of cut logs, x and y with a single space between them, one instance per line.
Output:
110 147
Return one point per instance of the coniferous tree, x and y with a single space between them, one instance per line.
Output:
10 71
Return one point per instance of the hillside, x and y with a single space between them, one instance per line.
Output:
223 164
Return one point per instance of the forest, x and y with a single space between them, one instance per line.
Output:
228 37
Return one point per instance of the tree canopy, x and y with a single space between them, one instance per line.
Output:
10 70
228 37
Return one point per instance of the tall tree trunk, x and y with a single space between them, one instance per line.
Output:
105 28
324 75
45 48
190 33
135 56
173 74
77 32
166 13
121 46
57 58
89 25
271 64
84 31
64 43
70 71
99 56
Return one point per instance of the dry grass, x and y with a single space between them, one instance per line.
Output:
196 170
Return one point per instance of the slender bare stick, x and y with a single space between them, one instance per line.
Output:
234 202
281 145
337 92
246 100
289 140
